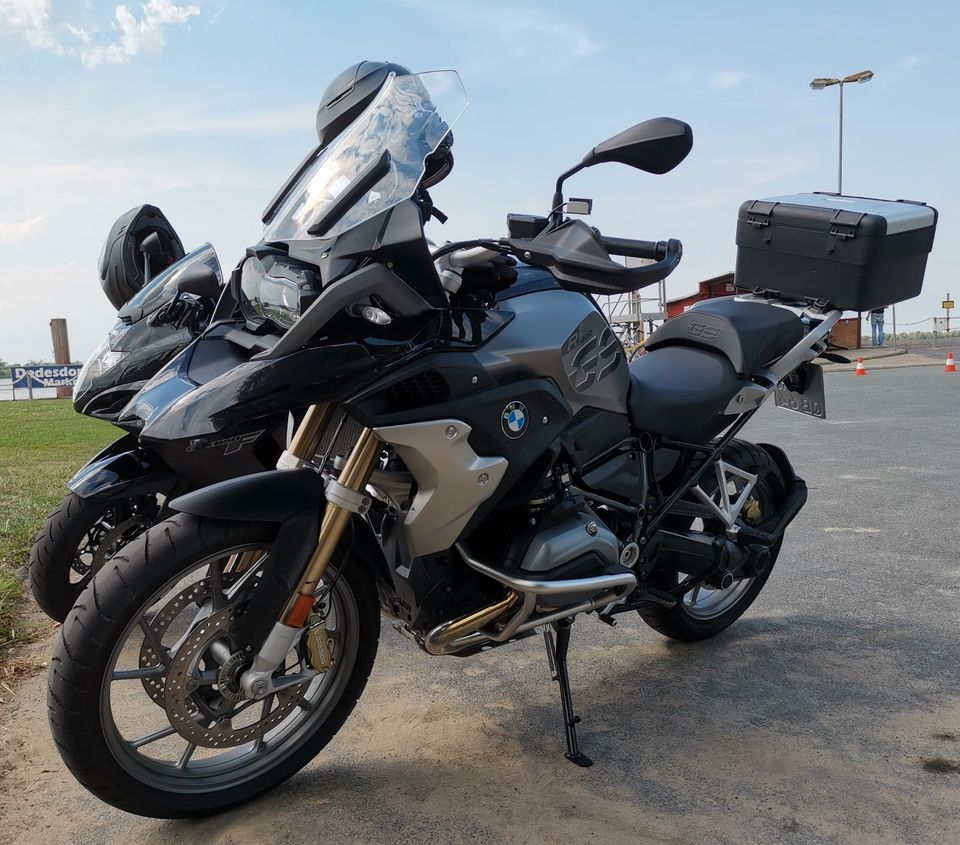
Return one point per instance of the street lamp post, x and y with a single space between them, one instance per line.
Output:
822 82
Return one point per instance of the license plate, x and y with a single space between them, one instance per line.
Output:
804 393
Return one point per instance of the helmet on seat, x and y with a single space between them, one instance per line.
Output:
349 94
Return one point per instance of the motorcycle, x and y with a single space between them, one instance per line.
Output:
474 463
106 507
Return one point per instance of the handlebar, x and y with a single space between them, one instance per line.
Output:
579 258
629 248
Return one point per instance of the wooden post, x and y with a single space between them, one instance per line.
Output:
61 350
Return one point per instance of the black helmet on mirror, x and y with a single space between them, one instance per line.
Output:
122 260
349 94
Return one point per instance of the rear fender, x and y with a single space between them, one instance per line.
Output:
294 499
780 458
123 470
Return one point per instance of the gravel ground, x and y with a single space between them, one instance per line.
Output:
829 714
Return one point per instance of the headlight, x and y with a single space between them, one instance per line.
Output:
102 359
272 290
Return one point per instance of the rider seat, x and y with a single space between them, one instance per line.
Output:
750 334
681 392
698 361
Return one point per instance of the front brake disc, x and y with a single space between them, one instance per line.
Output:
196 593
186 714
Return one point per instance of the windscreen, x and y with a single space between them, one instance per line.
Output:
409 118
163 287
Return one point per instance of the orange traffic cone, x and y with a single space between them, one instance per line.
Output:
951 364
861 370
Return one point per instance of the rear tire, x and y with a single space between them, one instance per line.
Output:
85 731
676 622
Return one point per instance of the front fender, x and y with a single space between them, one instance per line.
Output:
271 496
122 469
284 497
293 499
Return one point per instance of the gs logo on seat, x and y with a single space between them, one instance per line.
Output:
704 330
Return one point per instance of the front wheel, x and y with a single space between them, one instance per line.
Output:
76 539
144 698
704 612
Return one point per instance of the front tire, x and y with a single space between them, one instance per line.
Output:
693 619
87 721
76 538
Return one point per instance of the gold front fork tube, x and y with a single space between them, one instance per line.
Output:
354 476
307 436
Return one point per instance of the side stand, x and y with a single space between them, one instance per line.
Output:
557 656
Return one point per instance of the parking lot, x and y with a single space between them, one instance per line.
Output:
829 714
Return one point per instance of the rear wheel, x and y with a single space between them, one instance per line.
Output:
144 697
76 539
704 612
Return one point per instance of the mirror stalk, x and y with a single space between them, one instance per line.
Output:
556 207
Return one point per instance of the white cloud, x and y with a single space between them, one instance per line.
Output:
133 35
16 233
144 35
724 80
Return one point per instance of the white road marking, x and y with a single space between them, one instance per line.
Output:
851 530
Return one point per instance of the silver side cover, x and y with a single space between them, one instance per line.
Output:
452 480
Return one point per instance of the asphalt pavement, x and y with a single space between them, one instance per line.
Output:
830 713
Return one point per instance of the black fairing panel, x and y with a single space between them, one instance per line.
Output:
749 334
130 472
482 409
620 475
592 433
148 347
681 392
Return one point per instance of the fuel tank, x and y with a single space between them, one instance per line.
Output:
563 335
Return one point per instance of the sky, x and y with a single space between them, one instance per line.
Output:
203 108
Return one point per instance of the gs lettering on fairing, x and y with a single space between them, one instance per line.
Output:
591 353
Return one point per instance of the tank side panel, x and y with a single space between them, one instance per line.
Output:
560 334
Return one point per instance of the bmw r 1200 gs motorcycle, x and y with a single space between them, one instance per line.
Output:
475 463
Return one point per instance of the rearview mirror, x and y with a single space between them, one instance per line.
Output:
201 280
656 146
151 245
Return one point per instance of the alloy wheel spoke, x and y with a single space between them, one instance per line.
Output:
264 712
154 639
216 586
139 674
162 733
187 754
244 579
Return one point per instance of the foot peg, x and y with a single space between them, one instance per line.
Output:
557 657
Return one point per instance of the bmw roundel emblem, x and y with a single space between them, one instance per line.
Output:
513 420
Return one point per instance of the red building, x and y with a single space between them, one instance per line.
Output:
708 289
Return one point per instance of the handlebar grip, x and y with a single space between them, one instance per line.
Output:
656 250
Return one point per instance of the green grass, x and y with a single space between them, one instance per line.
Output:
42 444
